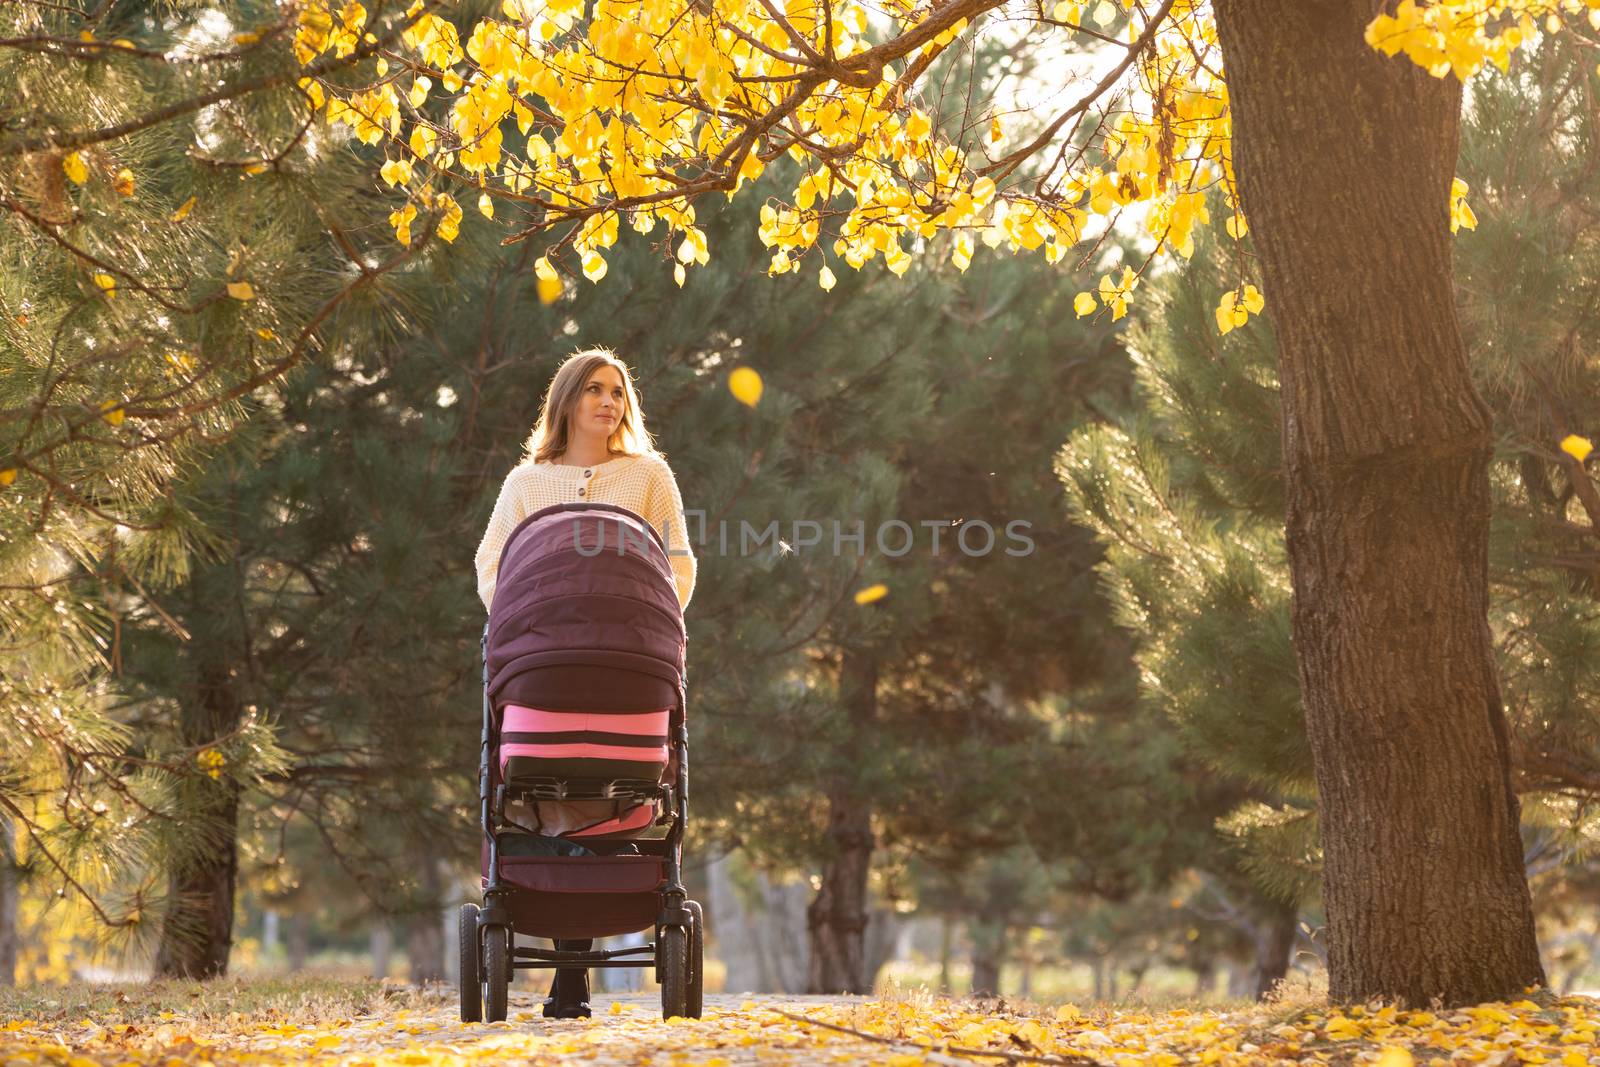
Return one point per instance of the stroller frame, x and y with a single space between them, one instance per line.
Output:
679 919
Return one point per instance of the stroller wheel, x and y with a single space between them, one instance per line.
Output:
694 994
496 972
471 974
672 966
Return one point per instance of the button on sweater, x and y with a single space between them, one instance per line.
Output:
641 483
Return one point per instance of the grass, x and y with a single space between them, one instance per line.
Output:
303 998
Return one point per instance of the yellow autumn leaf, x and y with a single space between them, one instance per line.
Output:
1577 447
678 274
745 385
871 593
1394 1056
183 210
124 182
75 168
486 205
401 219
1225 311
106 282
1236 226
549 289
266 334
241 291
450 223
826 279
1253 300
594 266
1084 304
8 475
112 412
248 37
396 172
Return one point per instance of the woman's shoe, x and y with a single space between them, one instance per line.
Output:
580 1010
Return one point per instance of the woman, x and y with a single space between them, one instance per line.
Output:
590 444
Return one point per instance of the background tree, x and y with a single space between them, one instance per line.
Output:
177 236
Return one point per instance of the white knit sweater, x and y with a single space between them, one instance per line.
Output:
641 483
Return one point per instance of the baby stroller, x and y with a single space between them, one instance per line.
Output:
583 701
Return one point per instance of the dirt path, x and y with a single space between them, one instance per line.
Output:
396 1028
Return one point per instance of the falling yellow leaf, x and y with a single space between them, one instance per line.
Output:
248 37
1577 447
112 412
106 282
549 290
872 593
745 385
75 168
183 210
124 182
1083 304
266 334
241 291
8 475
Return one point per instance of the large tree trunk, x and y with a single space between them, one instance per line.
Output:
837 918
1345 159
197 934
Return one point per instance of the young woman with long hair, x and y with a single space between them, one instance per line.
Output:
590 444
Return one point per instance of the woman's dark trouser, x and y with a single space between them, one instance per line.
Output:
571 984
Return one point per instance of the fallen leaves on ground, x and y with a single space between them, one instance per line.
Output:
895 1032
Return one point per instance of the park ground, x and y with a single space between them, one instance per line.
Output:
343 1024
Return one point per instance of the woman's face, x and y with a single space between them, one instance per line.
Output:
600 405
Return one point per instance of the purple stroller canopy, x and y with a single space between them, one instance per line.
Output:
584 586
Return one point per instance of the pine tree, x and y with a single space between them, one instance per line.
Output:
178 236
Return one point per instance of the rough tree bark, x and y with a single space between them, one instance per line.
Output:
197 934
836 921
1345 159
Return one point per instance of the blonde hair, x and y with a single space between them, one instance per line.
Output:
551 435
